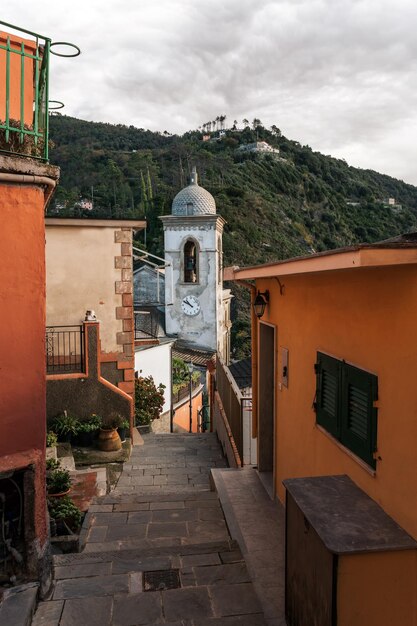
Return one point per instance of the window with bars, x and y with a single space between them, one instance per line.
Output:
345 397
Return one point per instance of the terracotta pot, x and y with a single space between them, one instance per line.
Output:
109 440
59 495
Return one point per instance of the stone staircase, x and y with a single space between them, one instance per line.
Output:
157 549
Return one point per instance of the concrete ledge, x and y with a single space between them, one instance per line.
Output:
218 485
15 164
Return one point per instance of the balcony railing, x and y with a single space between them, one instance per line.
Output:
24 85
65 350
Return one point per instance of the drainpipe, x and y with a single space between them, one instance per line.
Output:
30 179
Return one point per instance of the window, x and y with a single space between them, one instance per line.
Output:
345 397
190 262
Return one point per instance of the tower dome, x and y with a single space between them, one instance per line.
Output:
193 200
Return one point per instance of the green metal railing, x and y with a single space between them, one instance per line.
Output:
16 136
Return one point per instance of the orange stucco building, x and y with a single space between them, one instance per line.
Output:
26 186
24 190
334 366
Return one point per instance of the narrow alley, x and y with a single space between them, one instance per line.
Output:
157 550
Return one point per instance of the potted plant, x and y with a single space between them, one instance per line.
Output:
51 441
52 464
123 428
66 517
58 482
108 438
66 426
87 429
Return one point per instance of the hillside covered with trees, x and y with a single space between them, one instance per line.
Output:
275 205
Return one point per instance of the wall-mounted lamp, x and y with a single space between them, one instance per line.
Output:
260 303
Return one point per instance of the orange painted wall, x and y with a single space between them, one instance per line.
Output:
15 78
367 317
388 601
22 336
182 414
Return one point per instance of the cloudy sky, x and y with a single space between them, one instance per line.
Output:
338 75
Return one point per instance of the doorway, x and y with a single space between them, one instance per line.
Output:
266 405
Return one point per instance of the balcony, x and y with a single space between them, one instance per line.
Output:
65 352
24 78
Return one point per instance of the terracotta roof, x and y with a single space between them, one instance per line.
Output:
198 356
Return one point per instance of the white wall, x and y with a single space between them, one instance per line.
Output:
155 361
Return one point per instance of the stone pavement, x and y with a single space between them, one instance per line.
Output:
257 523
157 549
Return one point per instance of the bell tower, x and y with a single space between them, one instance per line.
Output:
197 307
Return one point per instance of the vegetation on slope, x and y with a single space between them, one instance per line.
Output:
275 206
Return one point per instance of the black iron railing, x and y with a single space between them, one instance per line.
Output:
65 350
184 392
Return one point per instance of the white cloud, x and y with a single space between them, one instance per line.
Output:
339 75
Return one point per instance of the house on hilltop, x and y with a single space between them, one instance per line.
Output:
258 146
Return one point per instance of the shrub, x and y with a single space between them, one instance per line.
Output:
51 439
52 464
66 424
114 420
64 510
58 481
149 400
91 424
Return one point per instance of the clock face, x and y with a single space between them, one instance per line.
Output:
190 305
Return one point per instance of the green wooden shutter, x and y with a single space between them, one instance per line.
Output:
358 415
328 393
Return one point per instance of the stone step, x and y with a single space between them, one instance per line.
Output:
124 552
17 605
166 496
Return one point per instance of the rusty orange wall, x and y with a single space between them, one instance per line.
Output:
369 318
22 318
182 414
15 79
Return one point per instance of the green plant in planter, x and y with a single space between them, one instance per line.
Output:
91 424
58 481
112 421
51 439
149 400
124 426
52 464
64 510
66 425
